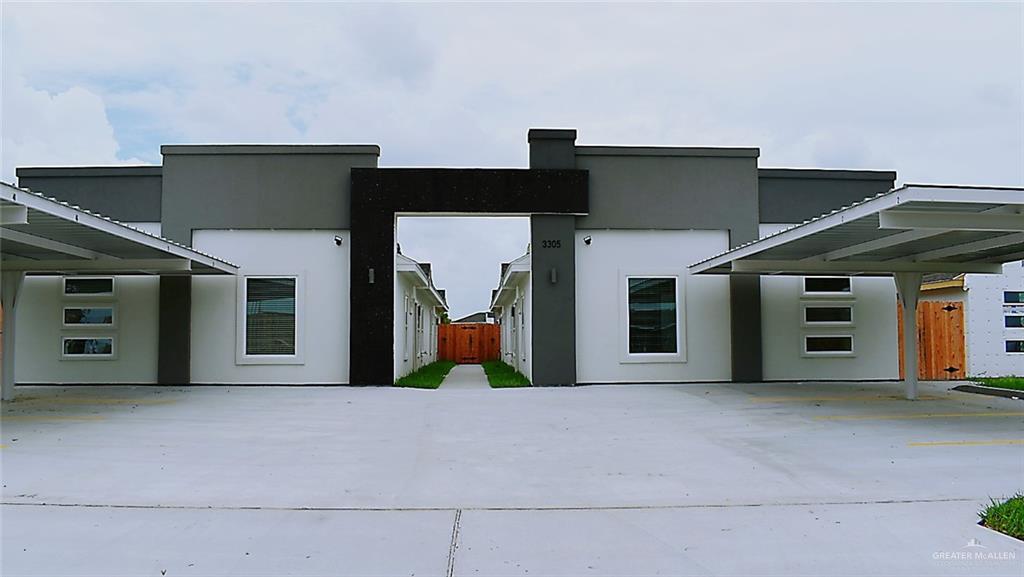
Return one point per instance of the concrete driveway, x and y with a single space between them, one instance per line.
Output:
760 479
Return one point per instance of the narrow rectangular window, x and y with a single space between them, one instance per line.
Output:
89 286
87 347
270 316
1013 297
840 344
1014 321
653 326
828 315
827 285
102 316
1015 346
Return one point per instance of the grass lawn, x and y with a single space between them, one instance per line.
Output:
426 377
1014 383
503 376
1006 516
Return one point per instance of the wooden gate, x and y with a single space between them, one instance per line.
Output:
469 343
940 341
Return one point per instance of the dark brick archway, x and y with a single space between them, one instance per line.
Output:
551 197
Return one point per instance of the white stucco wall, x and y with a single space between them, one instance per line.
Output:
874 330
323 310
601 305
517 331
986 331
413 351
40 327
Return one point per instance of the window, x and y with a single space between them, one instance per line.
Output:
89 286
827 286
98 316
1014 321
1013 297
652 315
270 316
1015 346
828 345
828 315
87 347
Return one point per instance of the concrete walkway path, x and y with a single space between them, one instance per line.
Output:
466 377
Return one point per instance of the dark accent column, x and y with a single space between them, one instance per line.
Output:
745 320
553 269
174 360
745 316
372 284
553 278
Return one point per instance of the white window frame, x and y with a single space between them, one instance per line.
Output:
241 358
1006 352
93 305
816 304
804 293
626 357
828 354
75 357
64 287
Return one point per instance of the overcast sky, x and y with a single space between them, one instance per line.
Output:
933 91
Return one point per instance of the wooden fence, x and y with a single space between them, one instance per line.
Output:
940 334
469 343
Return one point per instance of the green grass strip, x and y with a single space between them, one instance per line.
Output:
1005 516
427 377
502 376
1012 383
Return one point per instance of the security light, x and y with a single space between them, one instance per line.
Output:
587 239
338 240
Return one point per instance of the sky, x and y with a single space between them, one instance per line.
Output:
934 91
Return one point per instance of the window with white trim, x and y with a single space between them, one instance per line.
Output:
1013 318
653 315
93 316
90 347
1015 346
89 286
827 286
822 314
270 316
828 345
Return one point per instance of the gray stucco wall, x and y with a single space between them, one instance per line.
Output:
125 193
255 186
789 195
671 189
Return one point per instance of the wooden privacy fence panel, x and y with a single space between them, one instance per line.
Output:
940 341
469 343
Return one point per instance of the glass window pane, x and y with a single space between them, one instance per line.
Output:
829 344
89 346
88 286
828 314
827 285
1014 322
1013 297
652 315
89 316
1015 346
270 316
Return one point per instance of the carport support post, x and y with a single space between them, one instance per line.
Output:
10 286
908 286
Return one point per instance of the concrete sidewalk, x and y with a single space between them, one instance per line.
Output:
626 480
466 377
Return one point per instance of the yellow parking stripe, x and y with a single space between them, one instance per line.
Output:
967 443
840 399
52 418
912 416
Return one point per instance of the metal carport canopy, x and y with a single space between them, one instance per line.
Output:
43 236
904 233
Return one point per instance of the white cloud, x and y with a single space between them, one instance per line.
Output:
67 128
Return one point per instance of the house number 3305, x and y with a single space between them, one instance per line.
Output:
551 244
